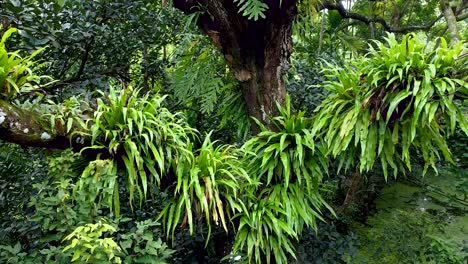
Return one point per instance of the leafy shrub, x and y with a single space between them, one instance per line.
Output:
20 169
439 251
398 97
62 165
139 245
303 79
328 246
89 245
13 254
56 207
56 210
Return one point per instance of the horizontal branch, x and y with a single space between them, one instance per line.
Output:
338 6
29 129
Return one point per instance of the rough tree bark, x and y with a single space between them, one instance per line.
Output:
30 129
24 127
257 52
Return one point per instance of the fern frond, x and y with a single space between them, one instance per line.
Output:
252 8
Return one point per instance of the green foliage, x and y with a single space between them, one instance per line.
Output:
208 185
274 218
205 89
144 134
17 255
271 190
233 114
200 76
139 245
303 78
62 165
288 167
68 114
98 184
62 206
92 42
89 245
458 142
328 246
398 97
56 209
288 154
264 228
16 73
12 254
440 251
19 170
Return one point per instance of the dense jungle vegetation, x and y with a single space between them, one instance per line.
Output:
244 131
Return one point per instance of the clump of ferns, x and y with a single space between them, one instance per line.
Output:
288 168
208 187
395 99
138 131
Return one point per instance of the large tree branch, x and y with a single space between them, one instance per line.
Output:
29 129
338 6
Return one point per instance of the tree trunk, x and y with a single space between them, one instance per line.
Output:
355 184
257 52
260 75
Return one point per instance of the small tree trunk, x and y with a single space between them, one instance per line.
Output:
322 29
356 182
451 21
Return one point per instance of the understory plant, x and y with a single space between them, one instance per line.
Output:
140 246
89 244
396 99
98 187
